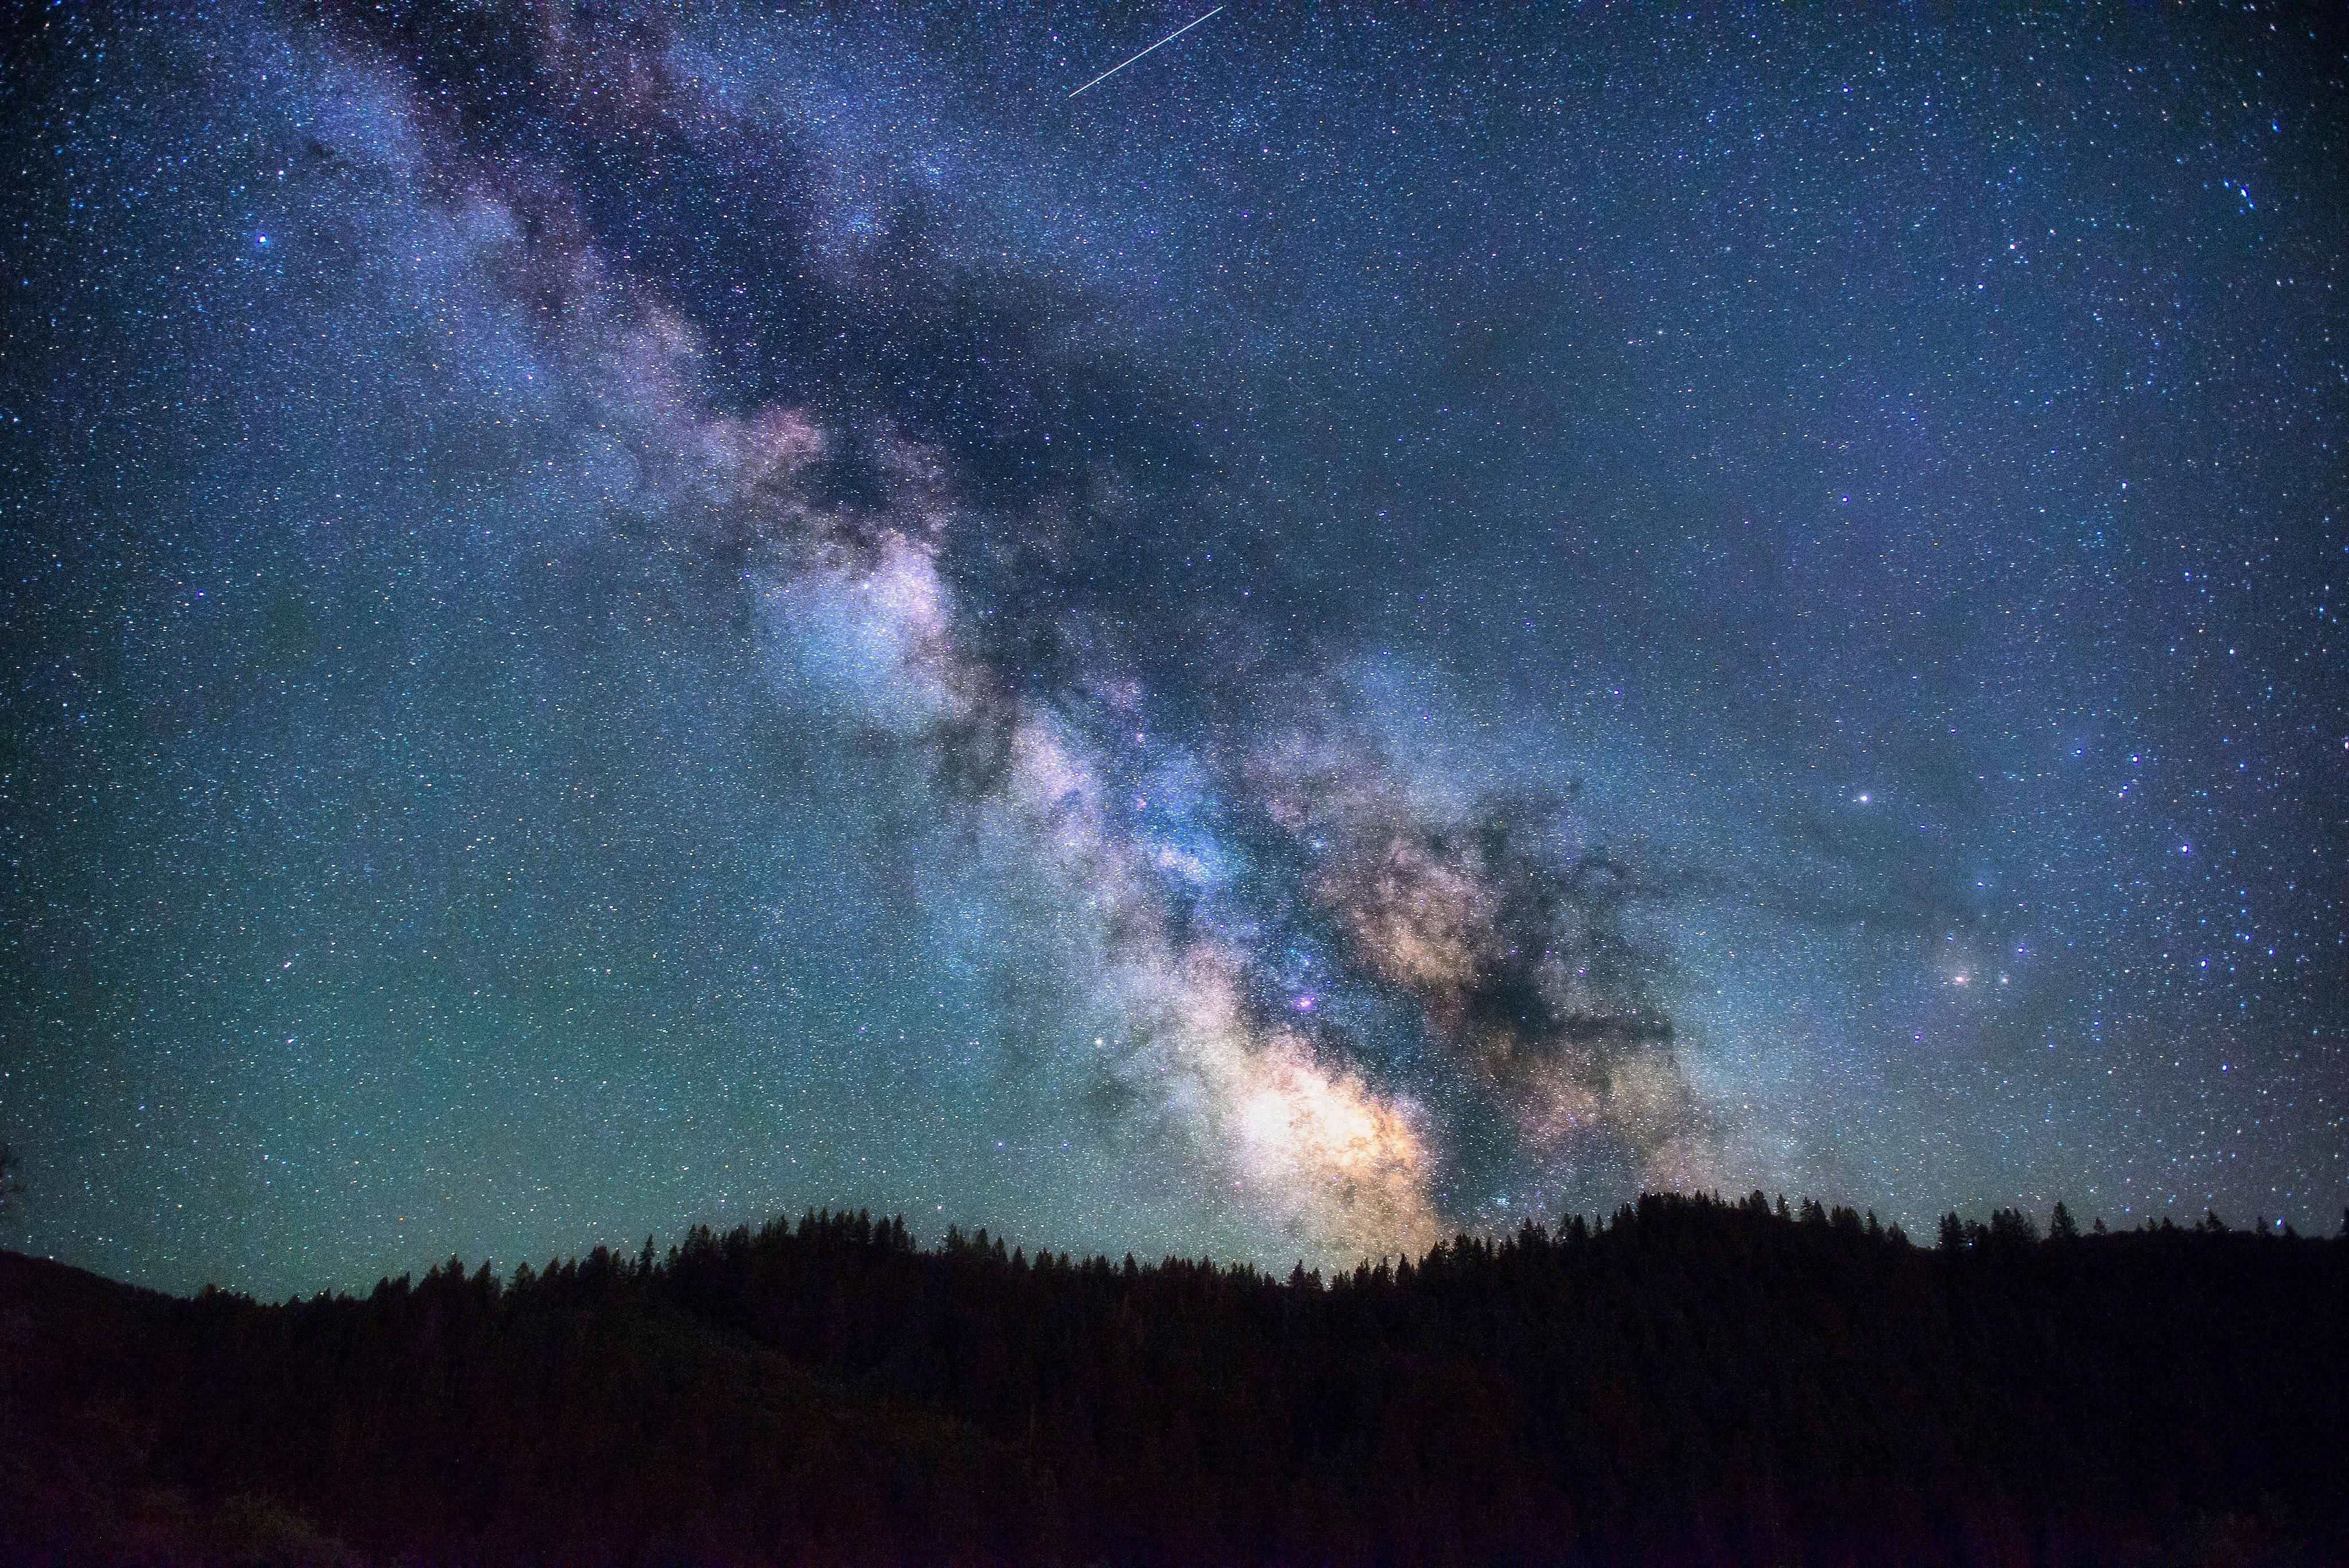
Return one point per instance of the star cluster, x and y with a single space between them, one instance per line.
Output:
1386 621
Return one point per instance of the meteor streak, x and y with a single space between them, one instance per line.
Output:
1130 59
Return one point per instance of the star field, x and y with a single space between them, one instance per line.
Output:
1383 622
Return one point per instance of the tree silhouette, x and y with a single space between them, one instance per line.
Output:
1689 1379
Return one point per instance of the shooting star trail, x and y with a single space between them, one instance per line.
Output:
1159 44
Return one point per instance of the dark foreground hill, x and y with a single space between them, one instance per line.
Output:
1692 1381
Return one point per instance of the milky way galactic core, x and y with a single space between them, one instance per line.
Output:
1372 624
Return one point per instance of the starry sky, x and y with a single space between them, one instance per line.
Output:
1392 618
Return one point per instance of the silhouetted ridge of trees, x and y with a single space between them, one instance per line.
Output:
1687 1379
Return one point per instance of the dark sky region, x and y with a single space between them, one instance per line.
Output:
1394 619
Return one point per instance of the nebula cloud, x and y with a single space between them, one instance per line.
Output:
1509 936
1339 996
892 563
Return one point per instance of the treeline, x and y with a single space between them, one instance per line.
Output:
1688 1380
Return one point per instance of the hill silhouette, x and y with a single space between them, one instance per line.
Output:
1690 1380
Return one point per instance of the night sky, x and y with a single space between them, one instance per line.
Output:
1393 618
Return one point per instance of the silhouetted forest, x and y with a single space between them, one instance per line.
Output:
1690 1380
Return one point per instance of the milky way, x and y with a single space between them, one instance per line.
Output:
1383 624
